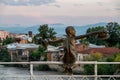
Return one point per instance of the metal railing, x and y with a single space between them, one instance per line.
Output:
68 77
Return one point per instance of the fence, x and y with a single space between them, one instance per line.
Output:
68 77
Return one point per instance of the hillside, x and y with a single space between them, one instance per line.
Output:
59 28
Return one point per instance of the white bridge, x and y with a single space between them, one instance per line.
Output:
63 77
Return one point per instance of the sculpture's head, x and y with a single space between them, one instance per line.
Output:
70 31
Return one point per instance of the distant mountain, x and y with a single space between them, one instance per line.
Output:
59 28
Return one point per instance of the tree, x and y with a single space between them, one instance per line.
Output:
38 55
45 32
84 41
35 56
93 39
114 31
8 41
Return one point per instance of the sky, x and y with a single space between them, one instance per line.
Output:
71 12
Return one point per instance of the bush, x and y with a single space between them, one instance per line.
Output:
4 55
89 69
106 69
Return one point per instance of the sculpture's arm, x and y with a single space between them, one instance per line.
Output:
100 35
56 41
46 42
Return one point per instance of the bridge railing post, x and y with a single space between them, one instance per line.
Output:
31 71
95 70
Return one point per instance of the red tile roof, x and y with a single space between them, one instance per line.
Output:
108 51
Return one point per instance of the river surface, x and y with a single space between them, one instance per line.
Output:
14 73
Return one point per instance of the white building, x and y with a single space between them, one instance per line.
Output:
21 52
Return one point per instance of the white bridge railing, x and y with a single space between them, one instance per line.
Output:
67 77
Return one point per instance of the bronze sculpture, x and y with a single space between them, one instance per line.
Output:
69 57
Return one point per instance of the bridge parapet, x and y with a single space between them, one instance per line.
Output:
32 76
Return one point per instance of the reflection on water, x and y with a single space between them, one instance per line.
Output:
12 73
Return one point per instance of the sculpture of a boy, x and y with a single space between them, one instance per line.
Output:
69 57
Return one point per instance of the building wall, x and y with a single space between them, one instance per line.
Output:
20 54
23 41
54 56
3 34
49 57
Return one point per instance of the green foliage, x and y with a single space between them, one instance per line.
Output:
106 69
43 54
96 56
45 32
117 57
0 40
93 39
89 69
102 69
8 41
84 41
4 55
113 29
110 59
37 55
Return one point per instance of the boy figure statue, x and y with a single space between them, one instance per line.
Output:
69 57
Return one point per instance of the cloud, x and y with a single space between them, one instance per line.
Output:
76 20
100 3
77 4
58 6
117 9
26 2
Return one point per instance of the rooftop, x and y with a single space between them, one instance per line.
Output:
107 51
21 46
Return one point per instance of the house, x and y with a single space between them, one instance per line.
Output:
3 34
12 35
22 38
21 52
53 53
56 53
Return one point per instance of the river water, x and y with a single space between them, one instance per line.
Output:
14 73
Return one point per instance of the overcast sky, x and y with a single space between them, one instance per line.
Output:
72 12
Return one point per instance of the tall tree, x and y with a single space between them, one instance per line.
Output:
45 32
93 39
114 31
